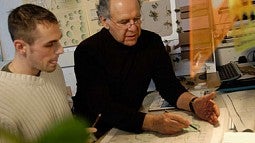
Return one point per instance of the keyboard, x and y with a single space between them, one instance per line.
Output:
229 72
237 85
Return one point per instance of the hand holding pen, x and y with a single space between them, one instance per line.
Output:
92 130
97 119
192 126
166 123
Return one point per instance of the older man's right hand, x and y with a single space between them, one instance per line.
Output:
165 123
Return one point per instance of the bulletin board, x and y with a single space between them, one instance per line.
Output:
156 17
160 16
77 18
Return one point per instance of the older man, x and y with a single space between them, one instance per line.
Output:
114 68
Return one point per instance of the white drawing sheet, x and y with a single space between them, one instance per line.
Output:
208 134
241 109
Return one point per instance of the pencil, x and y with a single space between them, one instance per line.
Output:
194 127
189 125
97 119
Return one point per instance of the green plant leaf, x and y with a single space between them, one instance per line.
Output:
9 137
69 131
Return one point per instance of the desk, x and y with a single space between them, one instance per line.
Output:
209 134
116 136
241 107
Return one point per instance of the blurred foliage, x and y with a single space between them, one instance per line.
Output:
69 131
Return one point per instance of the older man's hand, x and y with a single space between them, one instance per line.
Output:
206 109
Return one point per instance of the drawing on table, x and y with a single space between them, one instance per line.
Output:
189 135
160 104
241 108
207 134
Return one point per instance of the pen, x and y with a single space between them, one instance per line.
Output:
189 125
97 119
194 127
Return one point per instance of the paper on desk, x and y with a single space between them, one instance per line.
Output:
160 104
238 137
224 125
247 69
208 134
109 135
202 92
241 108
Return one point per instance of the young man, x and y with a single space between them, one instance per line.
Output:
33 91
113 70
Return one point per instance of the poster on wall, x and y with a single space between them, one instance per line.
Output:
77 18
156 17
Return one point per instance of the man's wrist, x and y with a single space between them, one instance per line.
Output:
191 104
147 123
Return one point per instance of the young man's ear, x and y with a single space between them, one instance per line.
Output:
104 22
20 46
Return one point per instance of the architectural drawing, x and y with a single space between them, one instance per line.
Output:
241 108
189 135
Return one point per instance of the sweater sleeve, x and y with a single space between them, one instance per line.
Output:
93 95
7 127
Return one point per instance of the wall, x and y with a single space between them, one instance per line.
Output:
6 43
226 52
65 60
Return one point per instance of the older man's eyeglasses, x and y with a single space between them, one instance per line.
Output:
127 23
